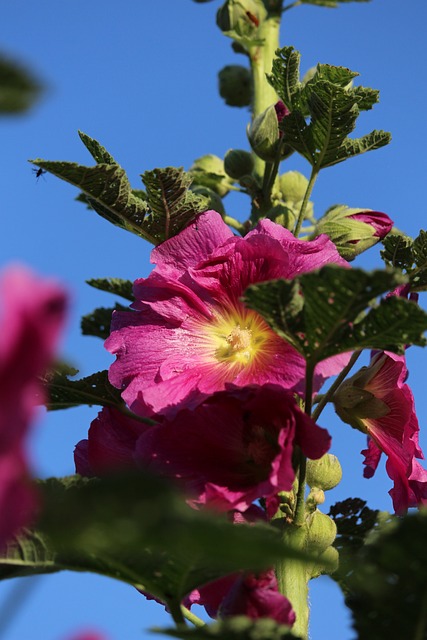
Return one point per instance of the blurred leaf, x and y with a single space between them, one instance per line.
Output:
26 556
409 255
322 313
18 88
117 286
98 322
329 3
332 106
167 207
234 628
388 596
92 390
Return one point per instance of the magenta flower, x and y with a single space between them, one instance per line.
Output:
190 335
32 316
380 223
377 401
245 594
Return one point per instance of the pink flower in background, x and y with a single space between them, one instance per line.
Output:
245 594
189 334
377 401
32 314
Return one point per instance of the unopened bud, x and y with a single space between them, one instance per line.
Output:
208 171
325 473
235 85
293 186
238 163
213 200
263 134
353 230
322 532
241 19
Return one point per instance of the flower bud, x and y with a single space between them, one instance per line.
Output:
328 563
208 171
293 186
324 473
213 200
238 163
353 230
264 134
235 85
240 19
322 532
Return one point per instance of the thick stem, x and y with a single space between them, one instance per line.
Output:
261 58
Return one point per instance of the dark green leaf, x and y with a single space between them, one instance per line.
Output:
323 111
117 286
18 88
397 251
97 151
323 313
388 594
418 276
98 322
172 204
142 532
92 390
236 628
27 555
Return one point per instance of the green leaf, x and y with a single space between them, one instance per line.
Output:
98 322
26 556
330 103
418 276
141 531
97 151
18 88
409 255
323 313
93 390
234 628
173 205
117 286
389 582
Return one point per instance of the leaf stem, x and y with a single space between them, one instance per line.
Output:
334 386
191 617
235 224
311 183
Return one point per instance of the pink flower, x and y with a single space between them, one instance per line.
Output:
190 334
33 313
377 401
380 222
248 594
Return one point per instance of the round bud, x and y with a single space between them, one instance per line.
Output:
235 85
238 163
322 531
213 200
208 171
324 473
293 186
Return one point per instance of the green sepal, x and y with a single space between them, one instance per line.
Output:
325 312
332 106
233 628
95 389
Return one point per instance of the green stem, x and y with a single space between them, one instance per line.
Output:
235 224
177 614
299 517
311 183
261 59
191 617
334 386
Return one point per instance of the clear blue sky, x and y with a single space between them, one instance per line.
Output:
141 78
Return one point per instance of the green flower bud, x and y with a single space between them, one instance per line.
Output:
213 199
293 186
235 85
353 230
263 134
240 19
283 215
329 562
238 163
324 473
322 532
208 171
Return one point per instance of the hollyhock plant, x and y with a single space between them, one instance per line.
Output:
32 317
189 334
377 401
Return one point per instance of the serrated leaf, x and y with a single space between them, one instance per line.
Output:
323 111
322 313
173 205
97 151
397 251
117 286
98 322
389 583
92 390
234 628
138 526
26 556
418 276
108 192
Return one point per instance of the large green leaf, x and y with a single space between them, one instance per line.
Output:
95 389
236 628
323 313
167 207
136 528
388 594
331 105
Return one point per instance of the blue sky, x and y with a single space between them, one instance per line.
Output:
141 78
